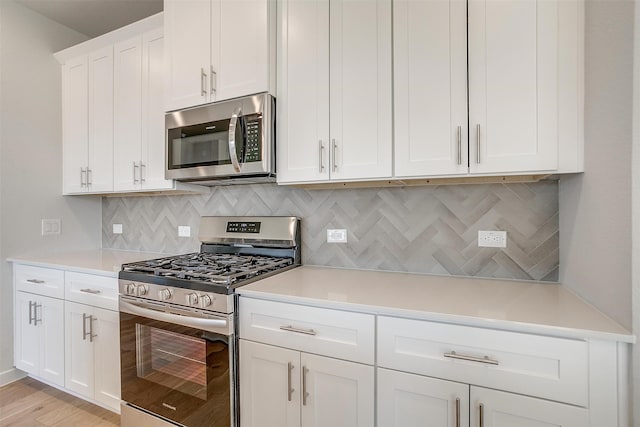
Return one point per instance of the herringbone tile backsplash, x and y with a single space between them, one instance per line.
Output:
414 229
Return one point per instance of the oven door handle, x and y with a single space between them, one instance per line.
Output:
207 324
233 123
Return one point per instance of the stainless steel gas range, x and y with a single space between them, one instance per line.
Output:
178 321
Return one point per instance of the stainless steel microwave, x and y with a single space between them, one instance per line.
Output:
225 142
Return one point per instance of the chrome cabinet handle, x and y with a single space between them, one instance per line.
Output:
214 77
83 172
481 410
36 281
203 82
36 306
135 166
290 328
91 334
31 304
321 155
478 143
457 412
459 145
304 386
485 359
89 177
84 326
335 149
90 291
143 172
290 389
233 123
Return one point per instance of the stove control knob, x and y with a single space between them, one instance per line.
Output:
192 299
205 301
141 290
130 289
165 294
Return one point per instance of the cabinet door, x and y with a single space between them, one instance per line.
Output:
78 349
336 393
26 346
100 175
106 328
513 85
303 91
75 117
360 97
269 386
127 120
409 400
242 41
49 315
430 87
187 26
500 409
153 137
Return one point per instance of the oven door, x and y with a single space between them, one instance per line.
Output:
177 363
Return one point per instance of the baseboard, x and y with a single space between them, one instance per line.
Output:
10 376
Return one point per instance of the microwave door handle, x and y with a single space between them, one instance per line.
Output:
233 123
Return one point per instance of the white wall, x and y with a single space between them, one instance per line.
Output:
31 154
595 207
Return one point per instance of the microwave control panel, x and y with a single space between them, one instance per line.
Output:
252 151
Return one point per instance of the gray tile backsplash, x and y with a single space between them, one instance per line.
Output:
414 229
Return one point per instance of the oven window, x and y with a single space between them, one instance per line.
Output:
176 361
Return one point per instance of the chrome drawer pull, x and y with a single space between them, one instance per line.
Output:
290 328
90 291
36 281
485 359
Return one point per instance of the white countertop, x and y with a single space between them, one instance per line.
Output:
544 308
103 262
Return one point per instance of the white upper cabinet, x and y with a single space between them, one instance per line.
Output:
334 90
75 121
430 87
218 49
514 91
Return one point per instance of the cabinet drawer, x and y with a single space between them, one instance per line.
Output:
547 367
39 280
98 291
335 333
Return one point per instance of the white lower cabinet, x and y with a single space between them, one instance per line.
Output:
92 353
281 388
39 336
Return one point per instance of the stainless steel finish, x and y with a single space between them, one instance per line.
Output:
192 299
165 294
31 304
91 291
485 359
131 416
233 123
83 177
219 302
203 82
459 145
143 169
91 334
290 389
478 143
457 412
84 326
481 408
36 306
36 281
165 312
290 328
335 149
275 231
89 177
135 166
321 155
204 301
214 85
261 171
304 385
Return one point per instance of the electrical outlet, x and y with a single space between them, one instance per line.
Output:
50 226
117 228
492 239
184 231
337 235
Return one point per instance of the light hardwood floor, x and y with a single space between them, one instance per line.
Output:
30 403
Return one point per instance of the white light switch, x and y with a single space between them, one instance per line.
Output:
50 226
117 228
337 235
184 231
